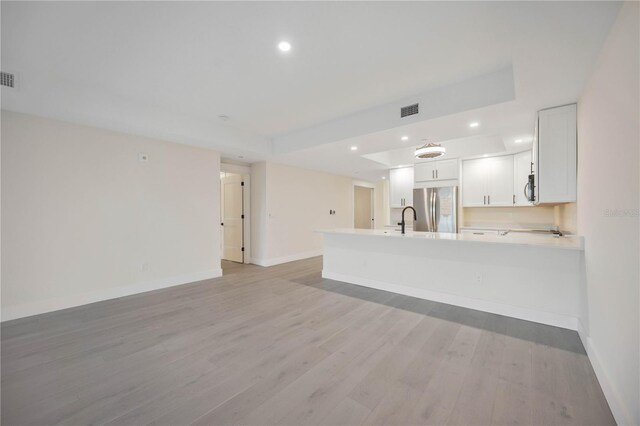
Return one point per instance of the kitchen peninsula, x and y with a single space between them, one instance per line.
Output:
531 277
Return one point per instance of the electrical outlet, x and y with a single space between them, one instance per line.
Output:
478 278
144 267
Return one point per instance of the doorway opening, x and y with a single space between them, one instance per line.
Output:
363 207
232 216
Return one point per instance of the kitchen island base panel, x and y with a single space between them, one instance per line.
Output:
534 283
541 317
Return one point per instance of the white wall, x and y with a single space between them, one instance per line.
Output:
289 205
258 211
608 203
83 220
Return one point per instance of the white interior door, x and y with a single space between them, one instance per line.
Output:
363 207
232 217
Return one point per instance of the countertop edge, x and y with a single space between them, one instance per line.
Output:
578 241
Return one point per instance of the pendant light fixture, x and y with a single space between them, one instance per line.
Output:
430 150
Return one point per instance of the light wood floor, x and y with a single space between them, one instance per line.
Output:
280 345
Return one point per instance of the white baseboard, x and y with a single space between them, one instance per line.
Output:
542 317
286 259
55 304
621 413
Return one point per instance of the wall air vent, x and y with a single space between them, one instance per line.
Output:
408 110
6 79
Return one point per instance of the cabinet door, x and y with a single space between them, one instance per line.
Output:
407 186
521 171
424 172
401 187
474 182
556 159
446 169
480 231
500 181
395 194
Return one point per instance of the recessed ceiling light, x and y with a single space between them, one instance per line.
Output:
284 46
485 155
405 138
474 124
384 177
518 140
354 148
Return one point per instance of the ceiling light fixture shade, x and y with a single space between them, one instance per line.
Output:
284 46
430 150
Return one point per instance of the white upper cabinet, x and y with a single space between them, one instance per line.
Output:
474 183
424 172
521 172
401 187
447 169
436 170
555 156
500 181
487 182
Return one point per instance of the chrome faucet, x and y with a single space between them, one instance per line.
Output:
415 217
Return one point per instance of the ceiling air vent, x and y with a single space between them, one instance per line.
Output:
6 79
408 110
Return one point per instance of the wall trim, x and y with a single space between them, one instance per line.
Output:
286 259
58 303
621 414
534 315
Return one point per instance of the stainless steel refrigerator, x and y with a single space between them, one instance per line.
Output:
436 209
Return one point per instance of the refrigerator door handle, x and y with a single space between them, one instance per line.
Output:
431 211
428 203
428 209
435 210
429 221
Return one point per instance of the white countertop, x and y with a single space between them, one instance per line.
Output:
569 242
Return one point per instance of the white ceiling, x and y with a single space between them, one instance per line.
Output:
169 69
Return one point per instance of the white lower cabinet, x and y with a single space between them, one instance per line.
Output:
480 231
487 182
